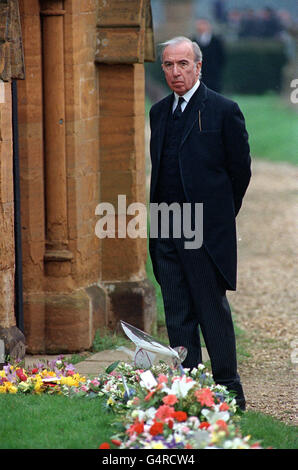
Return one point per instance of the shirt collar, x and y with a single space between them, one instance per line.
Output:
187 95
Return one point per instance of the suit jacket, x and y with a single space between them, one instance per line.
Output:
214 162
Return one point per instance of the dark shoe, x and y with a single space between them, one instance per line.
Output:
240 402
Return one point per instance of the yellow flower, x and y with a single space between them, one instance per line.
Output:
8 387
38 387
2 373
158 445
12 389
69 381
110 401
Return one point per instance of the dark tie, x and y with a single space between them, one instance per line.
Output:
178 111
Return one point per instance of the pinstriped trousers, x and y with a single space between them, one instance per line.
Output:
194 297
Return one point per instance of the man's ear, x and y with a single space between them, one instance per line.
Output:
198 68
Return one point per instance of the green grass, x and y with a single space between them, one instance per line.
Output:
58 422
269 431
107 339
272 126
52 422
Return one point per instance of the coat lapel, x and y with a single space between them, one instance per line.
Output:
197 103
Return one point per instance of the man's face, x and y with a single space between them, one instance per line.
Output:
180 69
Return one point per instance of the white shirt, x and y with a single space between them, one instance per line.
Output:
186 97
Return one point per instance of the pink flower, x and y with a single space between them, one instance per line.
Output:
205 397
170 400
94 382
164 412
162 379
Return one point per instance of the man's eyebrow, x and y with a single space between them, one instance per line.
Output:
180 60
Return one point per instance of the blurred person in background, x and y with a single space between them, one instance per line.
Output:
220 11
270 24
249 26
213 50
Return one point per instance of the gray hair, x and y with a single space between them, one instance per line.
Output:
198 56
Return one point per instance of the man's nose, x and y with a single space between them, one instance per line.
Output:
176 70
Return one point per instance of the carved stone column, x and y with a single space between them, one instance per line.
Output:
57 256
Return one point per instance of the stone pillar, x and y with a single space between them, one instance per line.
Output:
122 46
57 256
30 110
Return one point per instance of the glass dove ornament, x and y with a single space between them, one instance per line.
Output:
147 347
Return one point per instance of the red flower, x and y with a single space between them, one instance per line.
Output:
164 412
21 375
137 427
180 416
34 371
150 394
222 425
170 400
204 425
156 428
205 397
104 445
116 442
170 423
224 406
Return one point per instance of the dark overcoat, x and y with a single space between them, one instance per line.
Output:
215 169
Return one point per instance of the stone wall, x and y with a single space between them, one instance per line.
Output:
81 137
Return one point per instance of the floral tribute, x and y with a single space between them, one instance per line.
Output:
53 377
179 409
161 408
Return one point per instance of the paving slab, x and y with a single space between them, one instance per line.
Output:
96 363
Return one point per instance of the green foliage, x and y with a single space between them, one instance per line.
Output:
254 66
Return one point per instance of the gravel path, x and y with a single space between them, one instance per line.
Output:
266 301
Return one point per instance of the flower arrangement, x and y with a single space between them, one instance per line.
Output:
53 377
160 408
179 409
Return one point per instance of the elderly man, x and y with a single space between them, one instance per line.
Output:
200 154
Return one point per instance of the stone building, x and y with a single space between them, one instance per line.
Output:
71 136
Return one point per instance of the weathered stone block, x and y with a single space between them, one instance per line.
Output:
14 342
133 302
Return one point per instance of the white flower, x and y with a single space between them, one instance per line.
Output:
213 416
180 387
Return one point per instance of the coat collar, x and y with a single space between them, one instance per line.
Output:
196 103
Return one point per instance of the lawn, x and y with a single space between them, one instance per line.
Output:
58 422
52 422
272 126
